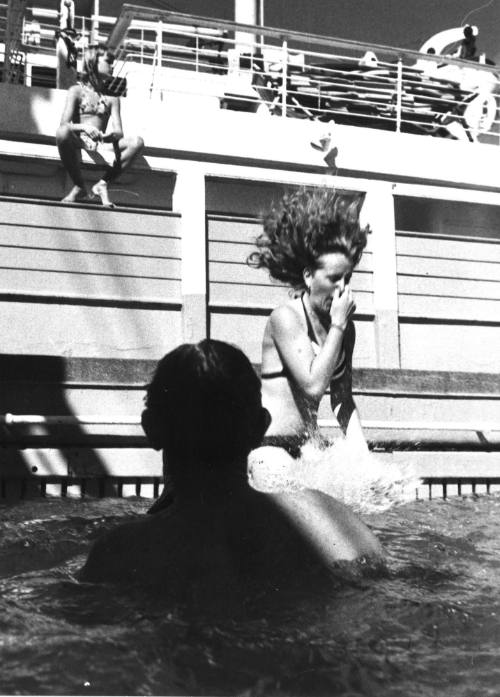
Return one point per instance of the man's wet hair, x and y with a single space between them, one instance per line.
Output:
205 403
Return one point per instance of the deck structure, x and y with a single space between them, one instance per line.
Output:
91 298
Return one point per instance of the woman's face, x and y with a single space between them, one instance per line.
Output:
334 271
104 63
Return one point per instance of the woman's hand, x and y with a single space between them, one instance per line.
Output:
91 131
342 307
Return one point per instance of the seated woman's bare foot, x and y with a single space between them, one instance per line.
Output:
77 193
100 189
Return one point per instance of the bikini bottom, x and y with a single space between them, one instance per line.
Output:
291 444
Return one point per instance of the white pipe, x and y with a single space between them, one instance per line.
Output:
421 425
27 419
30 419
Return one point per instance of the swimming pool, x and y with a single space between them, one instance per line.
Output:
428 626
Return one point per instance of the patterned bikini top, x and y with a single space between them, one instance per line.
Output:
93 104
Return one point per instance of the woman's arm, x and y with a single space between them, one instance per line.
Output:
341 399
72 100
312 374
116 132
70 108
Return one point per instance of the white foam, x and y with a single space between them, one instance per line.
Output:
358 479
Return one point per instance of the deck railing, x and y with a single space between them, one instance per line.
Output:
290 74
284 73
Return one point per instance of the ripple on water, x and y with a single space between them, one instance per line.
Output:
429 626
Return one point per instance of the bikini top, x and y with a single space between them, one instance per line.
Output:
93 104
341 365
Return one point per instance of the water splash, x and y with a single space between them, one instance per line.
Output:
359 479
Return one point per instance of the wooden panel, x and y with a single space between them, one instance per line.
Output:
267 296
449 308
234 230
97 241
451 268
453 347
81 461
54 215
92 264
82 252
78 285
438 248
449 287
80 330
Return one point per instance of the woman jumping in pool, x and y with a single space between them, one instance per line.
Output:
312 242
83 126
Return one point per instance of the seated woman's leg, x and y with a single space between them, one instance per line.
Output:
69 152
126 150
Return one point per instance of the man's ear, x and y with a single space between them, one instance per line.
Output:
261 426
152 429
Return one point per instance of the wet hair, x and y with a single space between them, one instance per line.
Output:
205 399
306 225
90 68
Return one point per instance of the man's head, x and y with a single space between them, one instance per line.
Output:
204 409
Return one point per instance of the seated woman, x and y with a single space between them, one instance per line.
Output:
219 538
83 126
312 242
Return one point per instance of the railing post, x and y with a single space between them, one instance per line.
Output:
378 212
399 95
284 70
159 45
197 55
189 201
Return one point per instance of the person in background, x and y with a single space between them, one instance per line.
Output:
312 241
217 540
84 122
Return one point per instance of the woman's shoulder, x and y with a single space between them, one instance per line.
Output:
75 90
287 315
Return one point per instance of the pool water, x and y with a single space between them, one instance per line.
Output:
428 625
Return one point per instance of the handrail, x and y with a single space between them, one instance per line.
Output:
92 420
168 16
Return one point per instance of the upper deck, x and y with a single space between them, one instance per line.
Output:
226 92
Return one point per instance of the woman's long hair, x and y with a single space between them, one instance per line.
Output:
90 68
306 225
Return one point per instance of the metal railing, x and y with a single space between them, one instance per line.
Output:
288 74
306 76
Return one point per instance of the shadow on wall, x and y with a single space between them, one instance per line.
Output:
37 385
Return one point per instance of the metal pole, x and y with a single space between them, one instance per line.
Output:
399 95
284 61
95 24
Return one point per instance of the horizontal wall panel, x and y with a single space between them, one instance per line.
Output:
229 294
451 347
82 462
110 264
449 287
50 215
451 268
234 230
438 248
449 308
98 241
95 331
89 286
